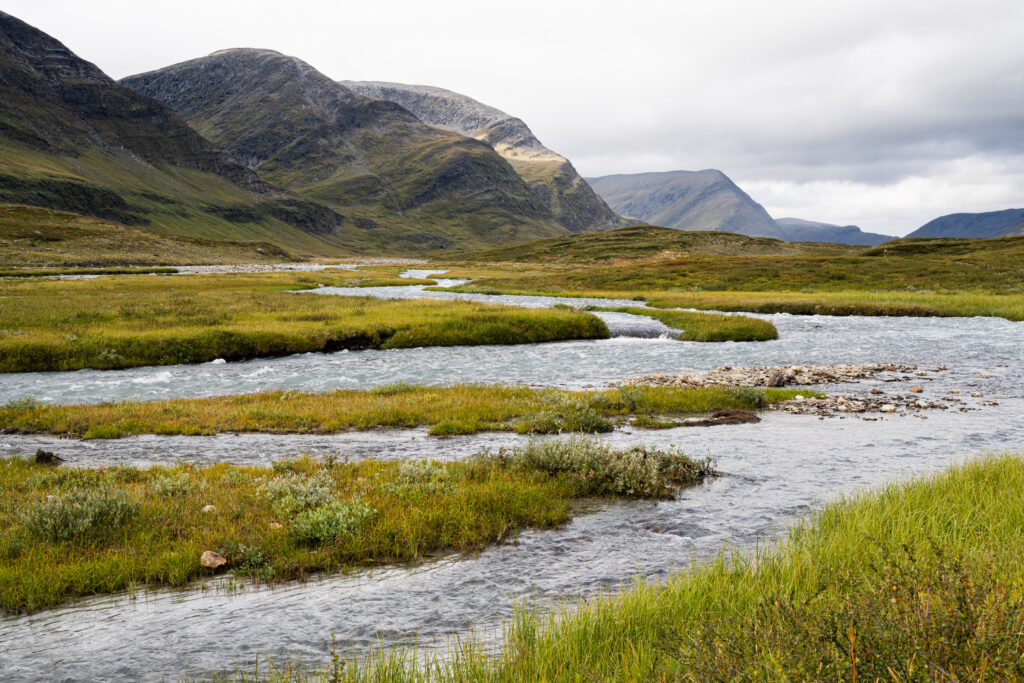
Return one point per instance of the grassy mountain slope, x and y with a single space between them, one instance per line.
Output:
72 139
989 224
401 181
687 200
34 237
551 176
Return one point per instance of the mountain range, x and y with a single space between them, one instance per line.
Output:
710 200
1006 223
255 146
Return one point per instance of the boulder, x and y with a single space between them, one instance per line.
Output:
212 560
916 389
207 509
47 458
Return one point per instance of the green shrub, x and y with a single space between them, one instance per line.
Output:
79 515
425 477
247 560
297 492
600 470
175 485
561 412
329 523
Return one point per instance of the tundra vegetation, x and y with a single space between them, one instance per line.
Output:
130 321
73 532
458 409
915 581
671 268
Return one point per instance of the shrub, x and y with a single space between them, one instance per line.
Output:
422 477
247 560
329 523
637 472
561 412
79 515
174 485
294 493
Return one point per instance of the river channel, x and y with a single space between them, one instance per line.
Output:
772 472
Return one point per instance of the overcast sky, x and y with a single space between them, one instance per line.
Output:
880 113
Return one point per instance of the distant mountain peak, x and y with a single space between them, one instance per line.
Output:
687 200
1004 223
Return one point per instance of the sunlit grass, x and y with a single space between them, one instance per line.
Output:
131 321
459 409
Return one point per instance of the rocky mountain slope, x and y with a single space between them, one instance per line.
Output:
687 200
73 139
550 175
799 230
403 183
1006 223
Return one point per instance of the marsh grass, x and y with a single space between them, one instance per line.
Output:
458 409
916 581
705 327
131 321
66 533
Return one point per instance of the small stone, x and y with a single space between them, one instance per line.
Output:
888 408
916 389
276 525
975 394
799 398
875 392
212 560
207 509
953 391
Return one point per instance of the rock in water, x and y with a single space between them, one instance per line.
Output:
212 560
916 389
47 458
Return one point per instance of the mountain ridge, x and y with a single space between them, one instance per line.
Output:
550 175
1002 223
801 230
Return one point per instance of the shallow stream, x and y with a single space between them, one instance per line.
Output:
772 472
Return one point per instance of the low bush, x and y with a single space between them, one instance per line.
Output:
329 523
79 515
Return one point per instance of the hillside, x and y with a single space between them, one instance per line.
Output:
35 237
687 200
988 224
551 176
799 230
405 185
72 139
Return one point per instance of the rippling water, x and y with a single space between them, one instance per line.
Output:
773 471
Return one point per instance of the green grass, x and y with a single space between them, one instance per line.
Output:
706 327
669 268
461 409
134 321
66 533
916 581
35 238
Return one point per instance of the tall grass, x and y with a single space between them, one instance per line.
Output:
917 581
66 533
459 409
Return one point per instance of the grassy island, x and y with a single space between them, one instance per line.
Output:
73 532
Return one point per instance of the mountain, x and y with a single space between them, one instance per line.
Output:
799 230
1006 223
687 200
405 184
550 175
72 139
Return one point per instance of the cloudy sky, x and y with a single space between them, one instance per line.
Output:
883 114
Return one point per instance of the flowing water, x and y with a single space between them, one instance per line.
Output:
773 471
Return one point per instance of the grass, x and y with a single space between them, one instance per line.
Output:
461 409
33 237
916 581
135 321
941 277
706 327
66 533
